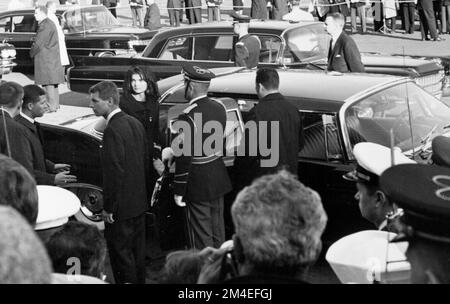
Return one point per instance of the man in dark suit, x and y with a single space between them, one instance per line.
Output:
427 20
201 179
195 11
45 172
125 169
174 7
343 55
279 121
13 141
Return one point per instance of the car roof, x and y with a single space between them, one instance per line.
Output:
59 10
309 90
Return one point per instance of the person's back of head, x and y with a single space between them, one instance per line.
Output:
18 189
23 259
278 223
268 78
11 94
106 90
182 267
77 242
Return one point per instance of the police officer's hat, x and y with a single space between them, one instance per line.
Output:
372 159
423 192
197 74
56 205
238 18
441 151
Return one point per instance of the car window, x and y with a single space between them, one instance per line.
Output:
216 48
270 47
306 44
179 48
24 24
321 137
5 25
407 111
88 18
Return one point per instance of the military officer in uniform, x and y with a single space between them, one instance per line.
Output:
372 159
248 47
423 191
201 179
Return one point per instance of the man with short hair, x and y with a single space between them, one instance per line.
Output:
372 160
201 178
45 172
282 128
125 168
13 141
343 55
51 13
279 223
248 47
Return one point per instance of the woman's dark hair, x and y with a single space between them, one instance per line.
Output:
147 75
81 241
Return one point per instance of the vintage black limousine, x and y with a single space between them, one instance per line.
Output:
302 45
89 30
350 109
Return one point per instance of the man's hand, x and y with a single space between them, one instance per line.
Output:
64 177
107 217
167 155
179 200
158 165
61 167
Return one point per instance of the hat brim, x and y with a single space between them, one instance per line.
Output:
351 176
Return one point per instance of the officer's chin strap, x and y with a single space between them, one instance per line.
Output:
8 147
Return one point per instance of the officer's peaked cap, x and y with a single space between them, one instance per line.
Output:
197 73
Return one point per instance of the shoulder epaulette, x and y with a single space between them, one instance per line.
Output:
190 108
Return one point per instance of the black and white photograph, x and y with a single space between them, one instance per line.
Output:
208 144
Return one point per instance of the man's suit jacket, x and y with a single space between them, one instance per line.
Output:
42 168
125 167
345 56
20 146
275 108
45 50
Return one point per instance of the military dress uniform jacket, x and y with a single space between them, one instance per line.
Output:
19 145
124 163
345 56
41 166
247 51
275 108
205 177
45 49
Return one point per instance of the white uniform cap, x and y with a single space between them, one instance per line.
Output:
56 205
376 158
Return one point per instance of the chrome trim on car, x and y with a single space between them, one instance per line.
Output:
357 97
96 79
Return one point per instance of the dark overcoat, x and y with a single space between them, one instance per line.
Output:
279 9
345 56
124 163
45 51
42 167
259 9
19 145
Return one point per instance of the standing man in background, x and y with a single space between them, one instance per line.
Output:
137 12
343 55
48 72
125 172
174 8
248 47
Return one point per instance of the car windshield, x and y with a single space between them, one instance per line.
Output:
306 44
88 18
376 116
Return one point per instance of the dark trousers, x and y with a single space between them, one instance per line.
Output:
213 13
195 15
126 247
408 10
174 17
205 224
427 19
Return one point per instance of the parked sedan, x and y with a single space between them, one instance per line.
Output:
89 30
302 45
338 111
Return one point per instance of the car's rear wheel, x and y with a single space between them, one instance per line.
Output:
91 198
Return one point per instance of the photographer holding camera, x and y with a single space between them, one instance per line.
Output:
279 223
